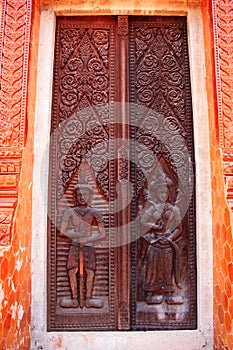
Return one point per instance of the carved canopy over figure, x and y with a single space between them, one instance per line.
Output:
76 224
161 258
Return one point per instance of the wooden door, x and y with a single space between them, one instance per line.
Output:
121 220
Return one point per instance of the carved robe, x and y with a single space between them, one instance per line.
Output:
163 253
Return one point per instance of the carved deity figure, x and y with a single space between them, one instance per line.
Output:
160 259
77 223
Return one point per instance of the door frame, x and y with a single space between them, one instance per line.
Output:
174 340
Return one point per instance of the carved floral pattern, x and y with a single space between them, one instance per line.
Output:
84 88
6 219
84 63
123 25
160 85
124 164
159 82
14 52
15 35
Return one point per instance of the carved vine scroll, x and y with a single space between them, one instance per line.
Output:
14 52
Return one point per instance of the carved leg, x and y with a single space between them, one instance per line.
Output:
154 299
90 302
73 284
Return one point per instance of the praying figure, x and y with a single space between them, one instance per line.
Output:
77 223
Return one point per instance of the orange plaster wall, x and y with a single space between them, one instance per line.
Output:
15 263
221 213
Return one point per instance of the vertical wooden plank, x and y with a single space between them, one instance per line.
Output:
123 177
164 282
82 119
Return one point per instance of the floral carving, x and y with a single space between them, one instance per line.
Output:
159 82
124 164
83 102
84 78
15 35
123 26
14 52
6 219
10 164
160 85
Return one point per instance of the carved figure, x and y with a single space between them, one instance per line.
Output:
76 224
160 260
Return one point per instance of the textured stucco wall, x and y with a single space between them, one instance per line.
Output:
211 73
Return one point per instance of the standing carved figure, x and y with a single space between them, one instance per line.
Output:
162 256
77 223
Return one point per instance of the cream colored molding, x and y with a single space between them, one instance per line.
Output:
140 7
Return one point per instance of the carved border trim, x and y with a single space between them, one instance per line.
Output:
15 34
223 18
14 54
123 26
223 46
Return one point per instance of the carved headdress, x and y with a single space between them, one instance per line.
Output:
83 181
159 180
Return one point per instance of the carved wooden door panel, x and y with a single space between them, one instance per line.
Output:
163 282
121 223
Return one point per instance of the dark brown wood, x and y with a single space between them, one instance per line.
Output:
163 284
123 177
84 78
121 126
